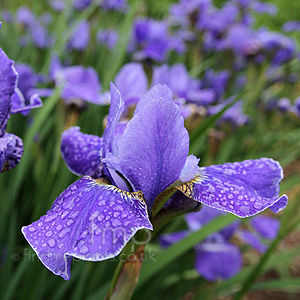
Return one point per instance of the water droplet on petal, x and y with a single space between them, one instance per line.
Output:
50 218
51 242
84 250
64 232
257 205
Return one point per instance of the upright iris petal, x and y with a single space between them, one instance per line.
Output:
90 220
154 148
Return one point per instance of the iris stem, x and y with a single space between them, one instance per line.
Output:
130 249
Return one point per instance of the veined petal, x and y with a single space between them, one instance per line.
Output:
154 148
11 151
158 91
82 152
8 80
90 220
242 188
217 260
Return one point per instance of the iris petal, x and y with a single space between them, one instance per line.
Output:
11 151
90 220
242 188
82 152
218 260
154 148
8 79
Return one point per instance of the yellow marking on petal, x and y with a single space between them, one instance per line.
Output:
129 195
187 188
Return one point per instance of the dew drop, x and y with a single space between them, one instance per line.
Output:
64 232
51 242
50 218
84 250
49 233
58 227
245 209
31 229
257 205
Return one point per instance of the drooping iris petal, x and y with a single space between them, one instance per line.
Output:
115 111
280 204
158 91
82 152
11 151
217 260
242 188
19 104
154 148
8 79
79 83
267 227
252 240
89 220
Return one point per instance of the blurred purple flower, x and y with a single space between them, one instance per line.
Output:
151 39
80 37
291 26
57 5
119 5
107 37
216 257
81 4
24 16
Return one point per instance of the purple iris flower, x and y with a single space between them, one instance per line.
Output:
25 16
216 257
152 39
233 115
57 5
80 37
107 37
11 146
96 216
81 4
132 83
176 77
80 84
119 5
291 26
